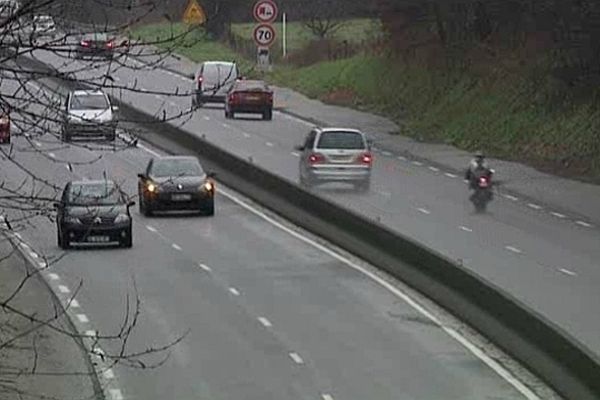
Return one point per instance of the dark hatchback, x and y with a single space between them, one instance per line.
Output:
249 96
93 212
176 183
95 45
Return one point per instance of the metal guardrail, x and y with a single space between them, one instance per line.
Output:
552 354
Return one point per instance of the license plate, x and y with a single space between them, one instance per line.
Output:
253 98
181 197
98 239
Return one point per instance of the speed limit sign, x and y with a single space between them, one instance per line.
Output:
264 35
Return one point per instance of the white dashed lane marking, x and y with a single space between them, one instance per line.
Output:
205 267
269 144
449 175
534 206
466 229
265 322
206 117
583 223
434 169
176 246
567 272
33 254
297 359
52 155
234 291
386 153
295 154
116 394
246 135
424 211
558 215
510 197
63 289
326 396
514 249
109 374
401 158
151 228
74 303
91 334
42 264
38 144
83 318
53 276
417 163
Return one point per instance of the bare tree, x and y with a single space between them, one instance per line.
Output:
31 97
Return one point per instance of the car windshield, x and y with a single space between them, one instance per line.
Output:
341 140
89 102
166 168
94 194
98 37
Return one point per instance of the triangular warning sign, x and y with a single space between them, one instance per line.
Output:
194 14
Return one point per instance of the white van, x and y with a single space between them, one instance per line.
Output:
212 81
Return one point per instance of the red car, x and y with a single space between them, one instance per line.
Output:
249 96
4 127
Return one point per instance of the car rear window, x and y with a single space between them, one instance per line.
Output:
173 168
219 72
341 140
95 194
89 102
251 85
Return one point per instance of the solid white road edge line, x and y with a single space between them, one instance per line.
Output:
234 291
265 322
297 359
495 366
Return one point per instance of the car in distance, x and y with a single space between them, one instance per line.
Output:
336 155
249 96
212 81
93 212
43 25
4 127
88 113
95 45
176 183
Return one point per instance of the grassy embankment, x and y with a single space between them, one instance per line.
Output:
511 110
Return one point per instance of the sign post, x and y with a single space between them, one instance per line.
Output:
194 13
265 13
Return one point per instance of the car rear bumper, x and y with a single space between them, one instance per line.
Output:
4 133
108 129
341 174
250 108
204 97
95 52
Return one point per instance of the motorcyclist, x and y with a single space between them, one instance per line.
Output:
478 167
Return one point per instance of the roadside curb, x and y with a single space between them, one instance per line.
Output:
85 344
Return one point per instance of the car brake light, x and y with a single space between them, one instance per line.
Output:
234 98
483 181
270 97
315 158
366 158
4 119
85 43
110 44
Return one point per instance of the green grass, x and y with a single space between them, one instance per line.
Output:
298 35
519 114
194 45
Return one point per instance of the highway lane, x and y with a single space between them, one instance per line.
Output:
270 316
549 262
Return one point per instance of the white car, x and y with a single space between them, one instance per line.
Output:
43 25
88 113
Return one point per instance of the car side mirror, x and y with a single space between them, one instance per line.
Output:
115 108
142 176
131 203
299 148
57 205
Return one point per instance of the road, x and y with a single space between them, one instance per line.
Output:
544 260
269 313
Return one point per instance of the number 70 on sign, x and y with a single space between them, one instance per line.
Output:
264 35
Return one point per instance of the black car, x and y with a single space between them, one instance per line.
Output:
93 212
176 183
95 45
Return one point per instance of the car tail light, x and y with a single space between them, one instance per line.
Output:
110 44
85 43
316 158
484 181
234 98
366 158
4 119
200 79
270 97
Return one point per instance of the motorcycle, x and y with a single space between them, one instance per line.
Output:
482 192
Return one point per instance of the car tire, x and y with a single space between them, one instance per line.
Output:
64 135
111 137
306 182
63 239
208 209
145 209
268 115
128 241
364 186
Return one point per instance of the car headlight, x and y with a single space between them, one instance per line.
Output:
121 218
208 186
151 187
72 220
4 120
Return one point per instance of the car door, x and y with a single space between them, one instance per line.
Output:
64 201
309 144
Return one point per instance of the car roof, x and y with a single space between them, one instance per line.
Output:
332 129
107 182
80 92
167 158
219 63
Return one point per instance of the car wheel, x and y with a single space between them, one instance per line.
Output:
141 205
364 186
64 135
147 211
208 208
268 115
128 241
305 181
111 137
63 240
